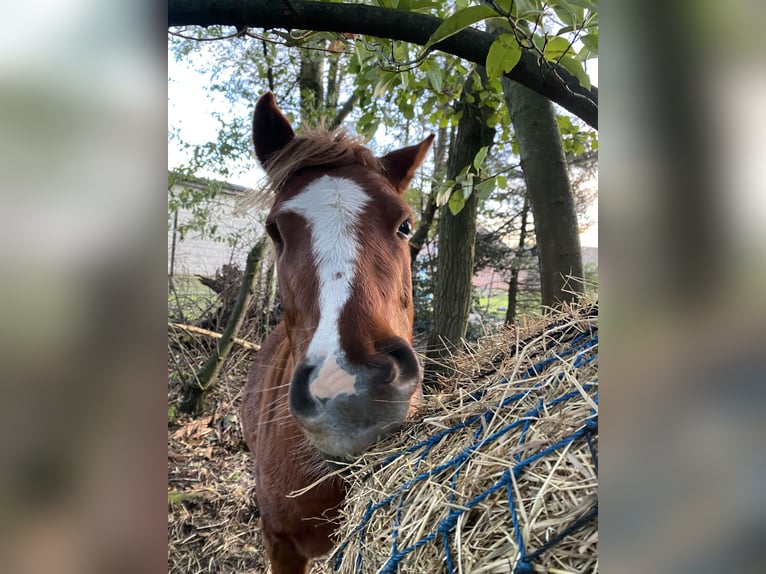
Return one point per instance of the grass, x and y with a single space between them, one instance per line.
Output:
191 296
179 497
497 304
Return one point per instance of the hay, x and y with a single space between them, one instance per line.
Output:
499 474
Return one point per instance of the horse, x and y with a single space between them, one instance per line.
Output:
339 372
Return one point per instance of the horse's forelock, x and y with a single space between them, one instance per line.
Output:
318 149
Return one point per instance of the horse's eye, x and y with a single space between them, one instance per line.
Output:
404 229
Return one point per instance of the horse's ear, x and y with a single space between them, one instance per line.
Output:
401 164
271 129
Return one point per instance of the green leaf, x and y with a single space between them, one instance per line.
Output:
385 83
468 186
575 68
591 42
401 52
564 15
421 4
527 9
501 181
456 203
479 158
555 48
407 78
443 196
503 55
434 72
485 188
587 4
459 21
565 124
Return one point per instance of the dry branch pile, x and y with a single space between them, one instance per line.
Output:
212 515
497 475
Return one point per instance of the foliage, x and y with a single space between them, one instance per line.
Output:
196 200
402 90
491 252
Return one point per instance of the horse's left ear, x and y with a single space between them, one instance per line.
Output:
271 129
401 164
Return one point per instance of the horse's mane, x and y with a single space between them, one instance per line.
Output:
317 148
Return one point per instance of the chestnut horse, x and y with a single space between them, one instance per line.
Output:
339 372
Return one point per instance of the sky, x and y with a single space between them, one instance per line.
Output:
189 104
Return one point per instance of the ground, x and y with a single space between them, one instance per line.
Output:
212 512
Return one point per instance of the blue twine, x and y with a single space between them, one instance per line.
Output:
525 564
445 525
448 554
523 437
586 353
514 519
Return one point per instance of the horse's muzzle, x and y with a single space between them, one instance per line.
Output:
345 408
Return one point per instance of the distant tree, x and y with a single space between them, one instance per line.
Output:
513 281
457 231
550 195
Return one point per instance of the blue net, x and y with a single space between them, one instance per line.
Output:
575 347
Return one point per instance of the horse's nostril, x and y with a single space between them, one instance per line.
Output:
301 400
403 355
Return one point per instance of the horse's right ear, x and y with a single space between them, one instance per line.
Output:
271 129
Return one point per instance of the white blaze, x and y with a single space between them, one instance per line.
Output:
332 207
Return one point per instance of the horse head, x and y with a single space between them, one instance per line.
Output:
340 229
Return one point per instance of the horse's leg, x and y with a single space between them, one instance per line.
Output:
283 554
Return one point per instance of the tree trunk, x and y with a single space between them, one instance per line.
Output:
513 284
552 80
333 85
270 69
428 212
310 85
457 234
549 193
195 393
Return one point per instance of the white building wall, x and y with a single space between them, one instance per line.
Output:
201 255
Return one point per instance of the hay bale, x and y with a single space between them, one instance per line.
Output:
497 475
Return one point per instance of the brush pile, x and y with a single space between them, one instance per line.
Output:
498 473
212 514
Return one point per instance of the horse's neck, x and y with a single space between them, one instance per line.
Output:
285 462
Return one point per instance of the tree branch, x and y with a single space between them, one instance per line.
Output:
343 112
212 334
195 393
549 80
